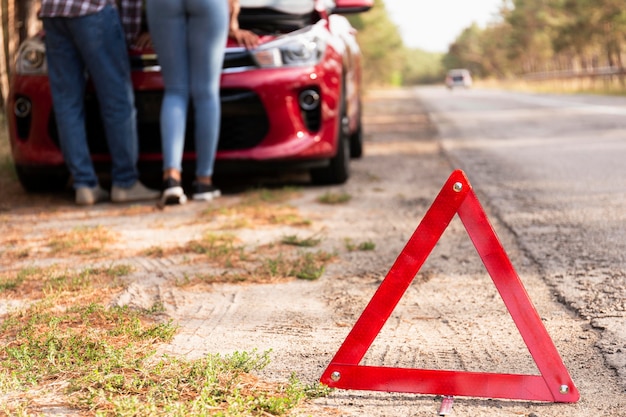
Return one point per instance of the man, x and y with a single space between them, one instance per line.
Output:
85 38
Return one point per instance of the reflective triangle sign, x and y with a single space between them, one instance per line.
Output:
456 197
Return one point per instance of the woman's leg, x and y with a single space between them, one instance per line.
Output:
207 34
167 23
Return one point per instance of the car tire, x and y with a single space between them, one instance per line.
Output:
338 170
356 138
37 180
356 143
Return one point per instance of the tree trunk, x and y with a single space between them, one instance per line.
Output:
19 21
5 11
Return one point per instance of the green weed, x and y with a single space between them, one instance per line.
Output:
363 246
334 198
294 240
306 265
81 241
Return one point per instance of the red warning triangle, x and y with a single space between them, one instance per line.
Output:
456 197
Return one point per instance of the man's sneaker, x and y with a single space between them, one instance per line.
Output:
205 192
137 192
172 193
86 196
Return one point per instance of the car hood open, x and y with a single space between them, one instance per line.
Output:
284 6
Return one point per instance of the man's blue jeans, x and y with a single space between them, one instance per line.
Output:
92 44
189 37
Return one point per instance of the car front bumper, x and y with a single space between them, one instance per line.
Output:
262 118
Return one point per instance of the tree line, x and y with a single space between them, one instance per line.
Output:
523 38
535 36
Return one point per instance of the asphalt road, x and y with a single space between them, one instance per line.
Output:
552 168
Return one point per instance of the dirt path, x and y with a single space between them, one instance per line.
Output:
450 318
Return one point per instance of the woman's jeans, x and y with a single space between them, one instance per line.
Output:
189 37
96 44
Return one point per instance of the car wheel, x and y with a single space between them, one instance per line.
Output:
338 170
356 138
42 180
356 143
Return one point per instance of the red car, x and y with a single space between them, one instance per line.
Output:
292 102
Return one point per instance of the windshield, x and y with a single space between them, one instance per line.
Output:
284 6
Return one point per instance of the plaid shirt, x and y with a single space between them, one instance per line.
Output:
130 11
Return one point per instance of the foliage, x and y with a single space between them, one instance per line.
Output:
382 46
96 359
539 36
422 67
525 38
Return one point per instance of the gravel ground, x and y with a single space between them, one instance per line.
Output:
450 318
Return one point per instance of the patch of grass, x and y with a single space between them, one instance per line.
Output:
220 248
312 265
48 345
12 283
231 261
265 263
154 252
7 283
363 246
306 265
81 241
295 240
214 385
13 244
290 218
258 208
98 360
271 196
37 282
334 198
118 270
45 341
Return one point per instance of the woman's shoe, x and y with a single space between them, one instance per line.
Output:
173 193
205 192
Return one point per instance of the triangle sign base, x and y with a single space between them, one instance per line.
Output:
456 197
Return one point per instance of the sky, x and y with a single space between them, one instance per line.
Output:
432 25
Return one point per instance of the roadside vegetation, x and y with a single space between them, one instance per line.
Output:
331 197
63 342
68 349
540 45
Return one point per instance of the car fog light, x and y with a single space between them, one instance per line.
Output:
309 100
22 107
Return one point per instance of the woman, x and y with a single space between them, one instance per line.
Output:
189 37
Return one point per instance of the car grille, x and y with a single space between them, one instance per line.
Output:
233 59
244 122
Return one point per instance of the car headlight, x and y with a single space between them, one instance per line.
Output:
299 48
31 57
